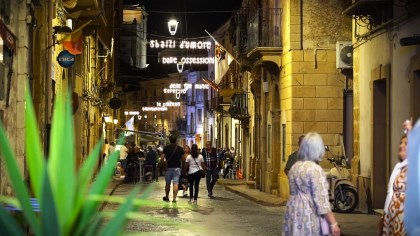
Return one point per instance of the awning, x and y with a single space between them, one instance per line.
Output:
144 138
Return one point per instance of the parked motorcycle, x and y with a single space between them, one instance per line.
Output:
342 193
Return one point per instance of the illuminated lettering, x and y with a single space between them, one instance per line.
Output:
184 44
154 108
188 60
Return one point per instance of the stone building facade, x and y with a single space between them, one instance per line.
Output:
386 87
286 66
40 30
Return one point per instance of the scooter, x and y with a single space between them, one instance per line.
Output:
342 193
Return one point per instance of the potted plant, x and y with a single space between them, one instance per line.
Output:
69 200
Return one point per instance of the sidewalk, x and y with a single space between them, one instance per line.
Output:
242 188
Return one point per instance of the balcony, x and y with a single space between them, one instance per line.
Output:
263 33
96 10
239 107
369 13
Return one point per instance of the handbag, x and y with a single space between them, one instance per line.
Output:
202 172
325 227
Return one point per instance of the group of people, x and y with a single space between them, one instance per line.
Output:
130 157
188 163
308 205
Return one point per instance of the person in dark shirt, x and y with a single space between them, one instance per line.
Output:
210 160
293 157
151 159
173 154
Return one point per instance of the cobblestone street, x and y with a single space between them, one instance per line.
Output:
227 213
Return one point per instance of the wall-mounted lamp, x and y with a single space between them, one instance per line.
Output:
180 66
107 119
115 121
172 26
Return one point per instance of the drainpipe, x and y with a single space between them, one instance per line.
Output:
47 82
301 24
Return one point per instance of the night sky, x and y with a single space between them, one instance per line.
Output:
194 17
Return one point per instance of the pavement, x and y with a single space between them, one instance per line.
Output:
245 189
355 223
240 187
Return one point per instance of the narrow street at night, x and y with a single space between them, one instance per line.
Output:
227 213
308 111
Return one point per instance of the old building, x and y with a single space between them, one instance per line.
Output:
285 77
386 89
37 37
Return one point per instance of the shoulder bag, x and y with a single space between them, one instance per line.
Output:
202 172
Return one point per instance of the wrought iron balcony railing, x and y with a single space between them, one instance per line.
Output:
263 29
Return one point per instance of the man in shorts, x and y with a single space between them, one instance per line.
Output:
173 154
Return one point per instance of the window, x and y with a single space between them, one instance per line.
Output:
199 117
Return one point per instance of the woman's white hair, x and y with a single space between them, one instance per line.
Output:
312 148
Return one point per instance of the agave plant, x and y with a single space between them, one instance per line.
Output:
69 199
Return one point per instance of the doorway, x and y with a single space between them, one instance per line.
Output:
379 143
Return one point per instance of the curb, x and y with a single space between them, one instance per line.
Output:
256 196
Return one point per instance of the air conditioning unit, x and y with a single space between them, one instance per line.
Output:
344 55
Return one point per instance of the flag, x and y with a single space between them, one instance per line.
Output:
73 41
221 63
129 125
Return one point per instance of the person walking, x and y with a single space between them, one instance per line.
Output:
151 160
195 163
308 204
393 219
173 155
184 172
210 160
293 157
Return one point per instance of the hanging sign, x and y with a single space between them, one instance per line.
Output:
66 59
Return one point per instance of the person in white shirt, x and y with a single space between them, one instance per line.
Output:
195 163
123 156
111 149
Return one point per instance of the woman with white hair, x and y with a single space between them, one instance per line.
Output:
308 202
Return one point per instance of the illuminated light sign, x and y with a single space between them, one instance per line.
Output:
194 45
169 104
131 113
184 44
188 60
154 108
179 89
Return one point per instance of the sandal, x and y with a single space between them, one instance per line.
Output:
166 199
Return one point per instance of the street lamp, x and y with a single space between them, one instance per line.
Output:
107 119
172 26
145 122
180 66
